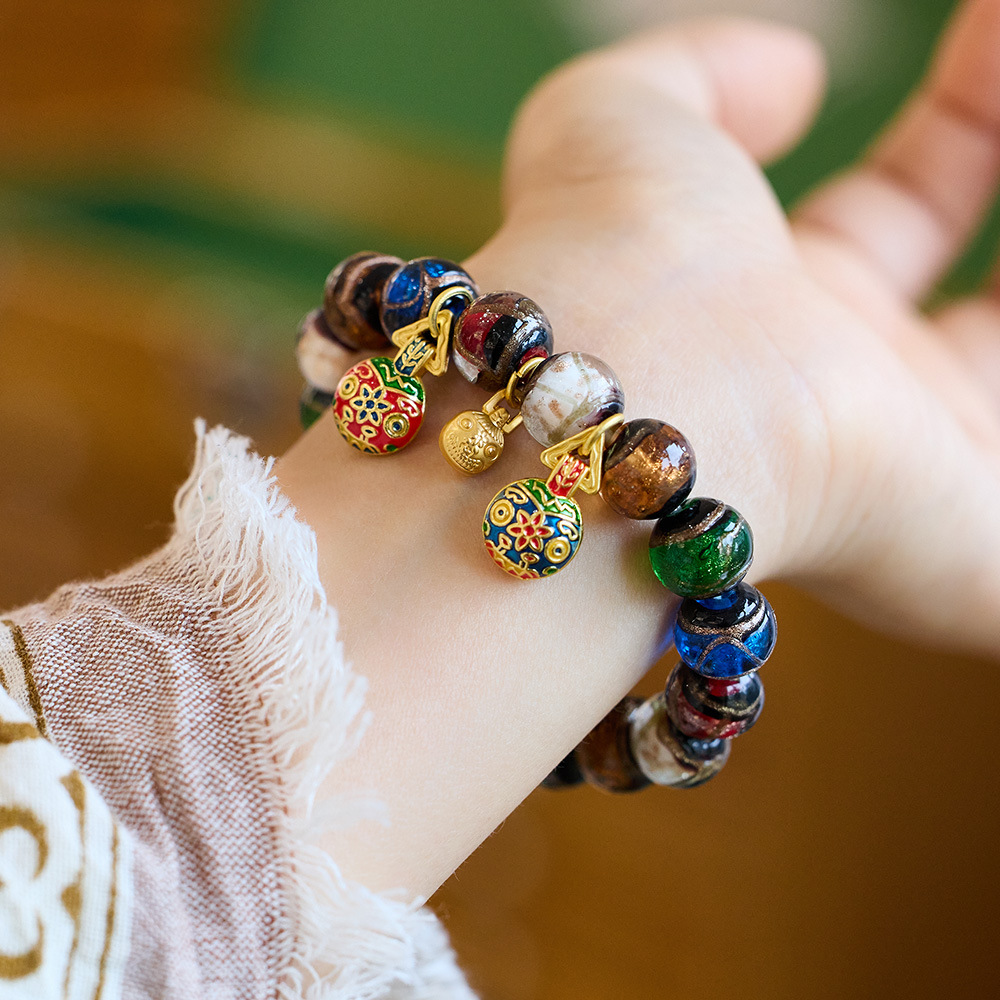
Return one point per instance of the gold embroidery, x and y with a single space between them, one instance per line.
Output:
19 966
21 648
110 924
72 895
16 818
13 732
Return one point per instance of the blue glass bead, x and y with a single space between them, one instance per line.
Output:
726 635
410 289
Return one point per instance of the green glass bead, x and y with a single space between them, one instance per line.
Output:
701 548
312 403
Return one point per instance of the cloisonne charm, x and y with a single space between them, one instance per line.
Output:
379 403
533 528
572 404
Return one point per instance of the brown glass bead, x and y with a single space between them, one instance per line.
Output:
648 469
566 774
605 758
353 296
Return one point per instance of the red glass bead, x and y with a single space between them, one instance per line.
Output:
497 334
710 708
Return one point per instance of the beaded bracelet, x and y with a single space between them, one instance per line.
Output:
572 404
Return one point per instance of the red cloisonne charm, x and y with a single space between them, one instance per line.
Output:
378 409
379 403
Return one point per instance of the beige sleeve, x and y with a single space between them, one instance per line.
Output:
192 706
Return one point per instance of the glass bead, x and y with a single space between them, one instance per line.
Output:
529 531
710 708
312 403
649 469
567 394
726 635
412 287
668 757
604 756
565 774
378 409
320 357
701 548
353 296
498 333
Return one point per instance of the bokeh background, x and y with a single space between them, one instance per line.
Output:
176 179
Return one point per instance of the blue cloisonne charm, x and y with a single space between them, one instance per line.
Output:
726 635
410 289
530 531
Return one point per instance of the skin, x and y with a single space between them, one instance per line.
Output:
859 435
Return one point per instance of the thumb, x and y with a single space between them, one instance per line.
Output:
662 106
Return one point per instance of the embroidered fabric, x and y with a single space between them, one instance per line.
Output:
204 697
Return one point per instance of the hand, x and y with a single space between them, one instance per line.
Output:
858 435
860 438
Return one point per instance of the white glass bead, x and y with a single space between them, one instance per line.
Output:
321 360
664 755
567 394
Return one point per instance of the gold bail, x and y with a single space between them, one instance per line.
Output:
589 445
435 328
474 439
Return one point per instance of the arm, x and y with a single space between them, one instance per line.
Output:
791 354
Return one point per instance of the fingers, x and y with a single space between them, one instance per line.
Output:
972 330
627 110
910 206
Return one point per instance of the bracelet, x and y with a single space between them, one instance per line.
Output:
573 405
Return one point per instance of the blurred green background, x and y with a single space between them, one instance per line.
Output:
176 179
420 94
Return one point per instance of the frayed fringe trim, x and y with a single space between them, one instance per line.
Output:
260 564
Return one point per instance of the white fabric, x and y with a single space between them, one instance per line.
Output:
233 609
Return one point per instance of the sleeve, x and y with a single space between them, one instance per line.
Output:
165 731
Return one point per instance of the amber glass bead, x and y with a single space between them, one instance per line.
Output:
604 756
497 334
568 393
412 287
648 469
711 708
565 774
726 635
701 548
353 296
665 755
